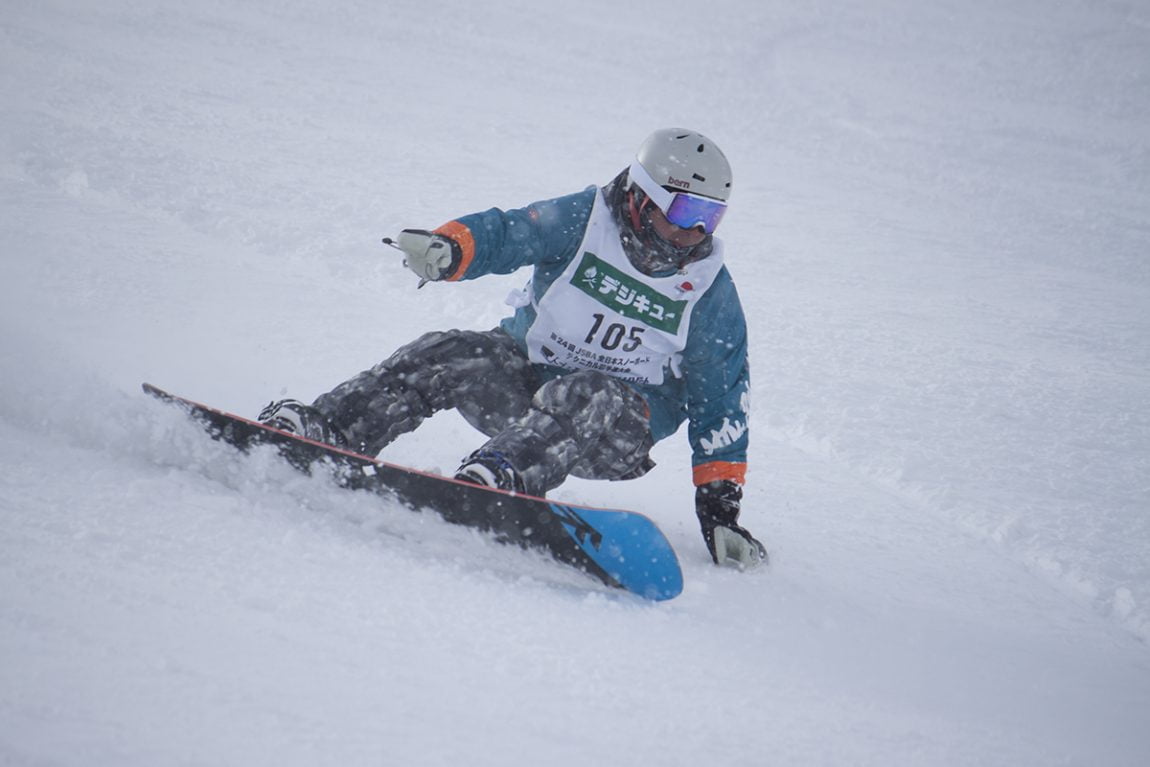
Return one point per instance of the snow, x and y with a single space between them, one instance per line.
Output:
940 232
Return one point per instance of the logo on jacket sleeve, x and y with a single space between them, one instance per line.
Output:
725 436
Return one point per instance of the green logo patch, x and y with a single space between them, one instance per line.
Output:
626 295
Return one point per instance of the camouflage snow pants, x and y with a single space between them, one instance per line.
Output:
585 423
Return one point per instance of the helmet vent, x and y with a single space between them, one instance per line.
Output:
685 161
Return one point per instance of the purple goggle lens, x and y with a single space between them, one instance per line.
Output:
687 211
682 209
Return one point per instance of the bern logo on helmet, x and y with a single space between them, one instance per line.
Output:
672 181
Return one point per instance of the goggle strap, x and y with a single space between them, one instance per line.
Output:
660 196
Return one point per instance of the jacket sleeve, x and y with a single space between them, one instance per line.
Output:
501 241
718 384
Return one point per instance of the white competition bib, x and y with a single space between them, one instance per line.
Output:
603 314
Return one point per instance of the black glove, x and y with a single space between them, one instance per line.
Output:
717 504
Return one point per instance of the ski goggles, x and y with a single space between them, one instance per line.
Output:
683 209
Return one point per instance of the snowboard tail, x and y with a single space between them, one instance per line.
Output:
622 549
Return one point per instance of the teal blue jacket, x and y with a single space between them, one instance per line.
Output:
712 392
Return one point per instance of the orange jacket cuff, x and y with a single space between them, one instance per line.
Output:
463 237
716 470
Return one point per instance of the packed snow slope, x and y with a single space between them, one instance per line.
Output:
941 233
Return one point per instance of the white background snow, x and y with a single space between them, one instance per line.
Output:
941 233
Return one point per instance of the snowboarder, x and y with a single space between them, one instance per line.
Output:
629 325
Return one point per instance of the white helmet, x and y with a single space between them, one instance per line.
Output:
681 160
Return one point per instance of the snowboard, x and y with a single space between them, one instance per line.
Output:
622 549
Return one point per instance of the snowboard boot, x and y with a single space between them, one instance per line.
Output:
490 469
294 417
